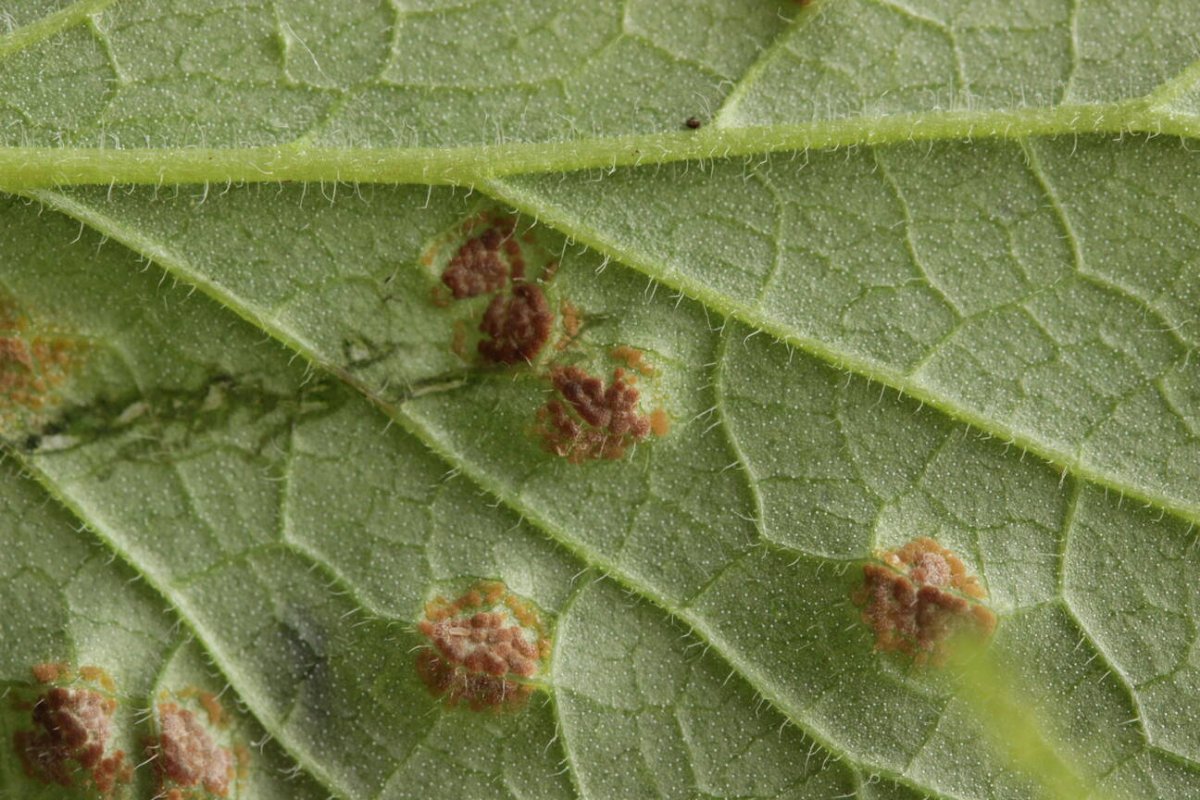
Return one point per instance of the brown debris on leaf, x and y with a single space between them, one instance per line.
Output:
483 648
918 598
588 420
186 757
69 742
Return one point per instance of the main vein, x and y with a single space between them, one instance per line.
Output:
24 168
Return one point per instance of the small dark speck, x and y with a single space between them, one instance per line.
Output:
693 123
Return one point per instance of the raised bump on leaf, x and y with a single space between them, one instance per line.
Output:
193 750
918 597
589 420
34 365
484 648
572 323
488 259
483 263
517 326
65 738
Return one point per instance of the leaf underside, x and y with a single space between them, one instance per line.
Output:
926 268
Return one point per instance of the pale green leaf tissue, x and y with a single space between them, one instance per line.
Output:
925 268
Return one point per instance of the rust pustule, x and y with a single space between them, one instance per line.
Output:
69 739
35 364
634 359
186 756
518 320
483 648
483 263
917 597
517 325
588 420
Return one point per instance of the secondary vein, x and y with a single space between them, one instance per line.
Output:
49 25
908 384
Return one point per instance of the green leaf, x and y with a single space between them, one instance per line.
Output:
847 339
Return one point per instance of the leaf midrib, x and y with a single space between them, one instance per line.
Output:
27 168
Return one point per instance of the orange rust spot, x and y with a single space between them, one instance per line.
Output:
458 344
591 421
98 675
51 672
71 729
187 756
572 323
438 296
241 755
918 597
660 423
34 365
212 707
635 359
493 592
483 650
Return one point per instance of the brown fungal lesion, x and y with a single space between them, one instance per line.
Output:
492 262
484 649
187 757
917 598
505 276
483 263
35 364
516 326
192 750
589 419
67 737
